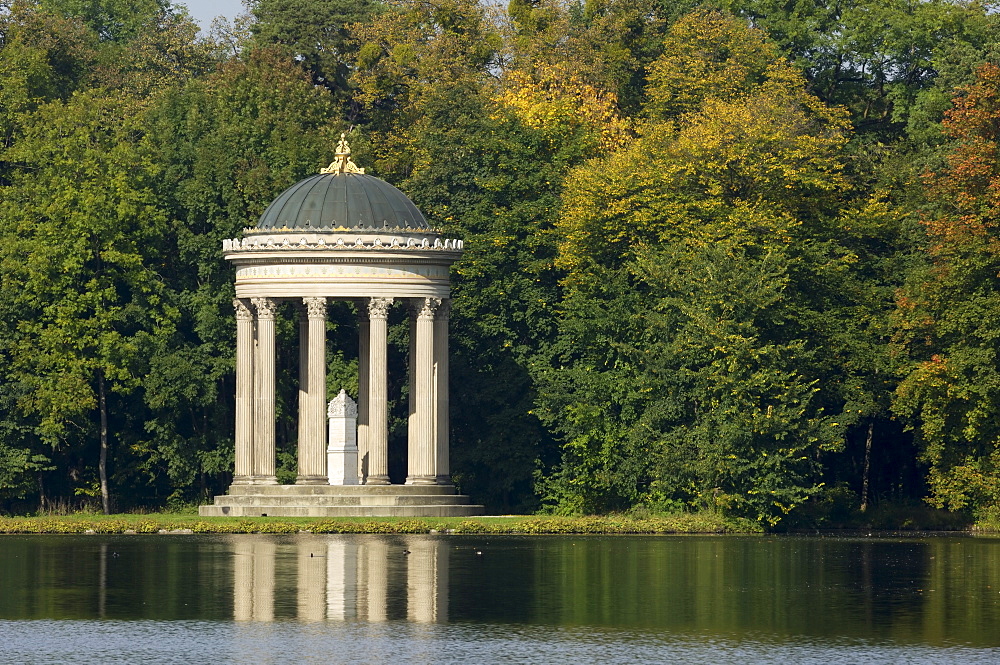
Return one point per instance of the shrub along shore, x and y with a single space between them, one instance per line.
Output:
892 519
512 524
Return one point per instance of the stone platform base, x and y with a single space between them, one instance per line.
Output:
341 501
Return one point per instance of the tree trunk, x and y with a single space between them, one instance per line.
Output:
864 476
43 498
102 467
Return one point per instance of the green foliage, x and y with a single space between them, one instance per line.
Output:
315 32
684 373
880 58
949 313
707 54
612 524
695 275
78 269
111 20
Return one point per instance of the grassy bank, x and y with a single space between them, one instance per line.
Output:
516 524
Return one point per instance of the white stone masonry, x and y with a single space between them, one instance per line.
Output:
342 449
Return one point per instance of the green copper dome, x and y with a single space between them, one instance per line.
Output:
342 196
342 200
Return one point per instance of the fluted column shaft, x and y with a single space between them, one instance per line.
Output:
312 449
244 392
303 421
411 380
378 397
441 399
263 458
422 451
363 344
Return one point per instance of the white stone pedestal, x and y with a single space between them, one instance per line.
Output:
342 447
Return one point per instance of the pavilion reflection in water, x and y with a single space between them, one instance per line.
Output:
341 578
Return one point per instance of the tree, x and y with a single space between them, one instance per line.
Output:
879 58
42 57
949 313
684 374
80 231
317 33
116 21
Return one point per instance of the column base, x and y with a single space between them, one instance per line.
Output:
312 480
263 480
377 480
421 480
443 480
242 480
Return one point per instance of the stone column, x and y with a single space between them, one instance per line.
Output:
378 397
312 449
303 422
422 451
441 400
363 343
263 458
413 309
244 392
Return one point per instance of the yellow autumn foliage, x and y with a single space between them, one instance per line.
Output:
707 53
748 169
562 104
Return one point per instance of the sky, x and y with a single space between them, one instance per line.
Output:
204 11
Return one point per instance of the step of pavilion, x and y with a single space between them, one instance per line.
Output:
341 501
340 490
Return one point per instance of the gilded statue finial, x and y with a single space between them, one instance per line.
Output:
342 161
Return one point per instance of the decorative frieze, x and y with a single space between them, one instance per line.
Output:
303 243
341 271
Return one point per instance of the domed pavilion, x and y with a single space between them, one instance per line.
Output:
342 235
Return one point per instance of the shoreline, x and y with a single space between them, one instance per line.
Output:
170 523
688 523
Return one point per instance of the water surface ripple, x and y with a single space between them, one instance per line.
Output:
460 599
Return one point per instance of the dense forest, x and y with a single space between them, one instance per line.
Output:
740 255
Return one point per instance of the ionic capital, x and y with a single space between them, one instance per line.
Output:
316 307
266 307
243 313
378 308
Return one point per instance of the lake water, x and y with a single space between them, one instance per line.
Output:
461 599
